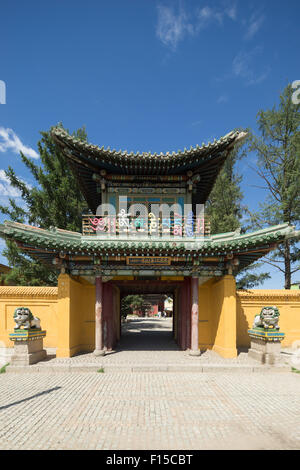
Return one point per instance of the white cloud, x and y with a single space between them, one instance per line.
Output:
6 189
222 99
242 67
197 123
232 12
172 27
207 15
255 23
10 141
247 68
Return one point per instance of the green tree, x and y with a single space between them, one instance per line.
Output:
248 278
278 165
55 200
225 210
130 303
224 205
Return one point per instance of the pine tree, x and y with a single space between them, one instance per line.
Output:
225 211
131 302
223 208
278 166
55 200
248 278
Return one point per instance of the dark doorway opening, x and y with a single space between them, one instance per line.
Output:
148 329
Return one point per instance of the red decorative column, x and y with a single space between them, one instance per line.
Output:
194 351
184 312
108 314
98 317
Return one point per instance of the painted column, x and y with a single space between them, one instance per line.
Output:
194 351
183 315
98 317
109 317
178 318
188 317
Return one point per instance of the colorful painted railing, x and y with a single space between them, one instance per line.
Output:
178 226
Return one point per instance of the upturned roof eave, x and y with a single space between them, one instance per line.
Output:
76 241
87 161
63 138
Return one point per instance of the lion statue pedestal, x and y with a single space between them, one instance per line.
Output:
28 341
266 337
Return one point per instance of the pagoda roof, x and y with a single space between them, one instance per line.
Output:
48 244
88 161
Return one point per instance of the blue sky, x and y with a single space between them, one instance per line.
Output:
144 75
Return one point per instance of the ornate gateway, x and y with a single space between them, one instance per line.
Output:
144 230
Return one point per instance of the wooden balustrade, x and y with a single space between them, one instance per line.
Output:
136 226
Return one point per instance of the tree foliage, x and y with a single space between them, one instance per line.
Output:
278 166
224 205
249 278
129 303
54 200
225 210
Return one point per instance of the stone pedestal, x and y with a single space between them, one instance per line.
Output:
28 347
265 345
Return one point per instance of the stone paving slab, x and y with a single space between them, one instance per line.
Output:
150 411
178 368
147 346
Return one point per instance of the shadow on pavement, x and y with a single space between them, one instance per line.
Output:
29 398
144 334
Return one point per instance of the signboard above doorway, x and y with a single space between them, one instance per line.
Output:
148 260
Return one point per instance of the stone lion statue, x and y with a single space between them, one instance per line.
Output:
24 317
268 318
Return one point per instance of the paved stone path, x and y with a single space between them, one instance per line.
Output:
147 345
150 411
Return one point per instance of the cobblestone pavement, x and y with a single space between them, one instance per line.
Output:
149 341
150 411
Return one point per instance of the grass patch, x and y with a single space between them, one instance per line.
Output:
297 371
3 368
100 371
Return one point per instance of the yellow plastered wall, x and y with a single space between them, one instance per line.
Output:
76 316
217 316
223 297
250 303
67 313
42 301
